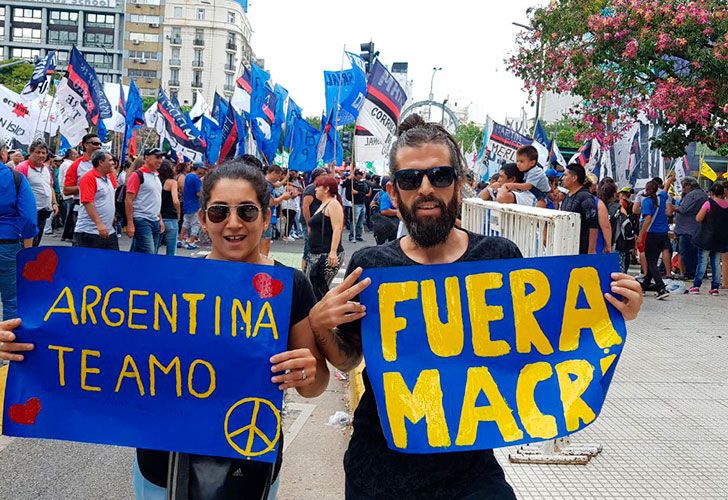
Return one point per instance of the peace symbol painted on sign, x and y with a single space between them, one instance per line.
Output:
250 433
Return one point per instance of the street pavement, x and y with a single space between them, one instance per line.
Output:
663 427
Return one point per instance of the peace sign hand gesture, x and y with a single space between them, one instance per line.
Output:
337 306
298 367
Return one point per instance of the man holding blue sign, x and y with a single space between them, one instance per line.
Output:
416 430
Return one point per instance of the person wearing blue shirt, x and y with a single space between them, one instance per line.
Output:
191 204
17 229
653 234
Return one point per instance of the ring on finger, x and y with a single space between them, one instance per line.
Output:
303 374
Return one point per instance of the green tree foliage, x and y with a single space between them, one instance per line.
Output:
147 101
15 77
467 134
565 132
315 121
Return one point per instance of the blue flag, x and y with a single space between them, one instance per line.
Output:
183 138
134 112
304 152
65 145
293 112
583 155
212 133
333 153
83 80
233 136
345 91
44 67
219 109
263 105
541 143
276 129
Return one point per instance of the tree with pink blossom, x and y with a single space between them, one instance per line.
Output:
667 59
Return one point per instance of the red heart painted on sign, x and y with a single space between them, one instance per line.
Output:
266 286
25 413
42 268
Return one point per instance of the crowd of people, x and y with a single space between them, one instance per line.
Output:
240 206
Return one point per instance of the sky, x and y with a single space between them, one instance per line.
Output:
298 39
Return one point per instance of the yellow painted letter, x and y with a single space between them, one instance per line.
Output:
61 362
482 314
575 408
424 401
266 310
132 311
118 311
389 295
191 376
193 299
154 363
536 423
70 309
244 312
528 331
595 317
85 370
479 380
134 373
88 307
170 315
445 339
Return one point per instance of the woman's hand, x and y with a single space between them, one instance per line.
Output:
336 307
8 346
298 367
631 292
333 259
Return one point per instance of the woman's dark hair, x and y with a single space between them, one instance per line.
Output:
510 170
651 190
414 132
166 171
718 189
606 191
67 154
238 169
579 171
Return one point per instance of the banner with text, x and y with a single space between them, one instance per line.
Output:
479 355
171 356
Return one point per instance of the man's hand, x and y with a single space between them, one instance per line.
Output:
129 230
103 231
161 226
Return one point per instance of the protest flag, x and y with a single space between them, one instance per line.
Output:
263 104
541 143
634 159
219 109
39 81
383 104
243 90
583 155
293 112
304 149
212 134
233 134
83 81
200 108
555 156
173 126
333 152
134 116
706 171
345 91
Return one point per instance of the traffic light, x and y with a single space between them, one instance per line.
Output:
368 54
346 141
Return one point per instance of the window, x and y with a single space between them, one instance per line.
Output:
99 40
136 18
228 80
174 74
175 52
230 64
29 35
143 54
176 31
143 73
231 17
26 16
17 53
100 20
200 14
198 56
147 2
63 18
178 12
62 56
102 61
62 37
197 78
2 31
144 37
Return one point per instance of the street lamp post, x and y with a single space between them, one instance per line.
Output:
432 96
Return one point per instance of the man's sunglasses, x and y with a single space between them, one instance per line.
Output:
439 177
246 212
95 143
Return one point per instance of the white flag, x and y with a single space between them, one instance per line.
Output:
680 174
17 119
200 108
556 154
71 115
150 116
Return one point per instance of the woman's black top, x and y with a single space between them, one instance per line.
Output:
168 211
154 464
321 233
713 232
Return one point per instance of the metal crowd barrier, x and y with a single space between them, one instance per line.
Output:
538 232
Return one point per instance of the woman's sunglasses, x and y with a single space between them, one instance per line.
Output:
219 213
439 177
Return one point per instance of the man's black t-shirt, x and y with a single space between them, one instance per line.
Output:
252 475
310 190
375 470
582 203
362 189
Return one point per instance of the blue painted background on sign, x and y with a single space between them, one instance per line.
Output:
415 359
46 400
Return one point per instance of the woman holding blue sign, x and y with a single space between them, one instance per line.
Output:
427 168
234 212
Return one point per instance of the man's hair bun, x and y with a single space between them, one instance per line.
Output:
412 121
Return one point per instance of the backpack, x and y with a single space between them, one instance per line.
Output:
120 197
625 233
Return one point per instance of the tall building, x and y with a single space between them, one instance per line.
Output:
400 72
29 28
143 45
205 46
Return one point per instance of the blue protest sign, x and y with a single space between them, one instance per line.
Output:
149 351
479 355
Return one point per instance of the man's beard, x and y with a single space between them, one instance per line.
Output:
428 232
